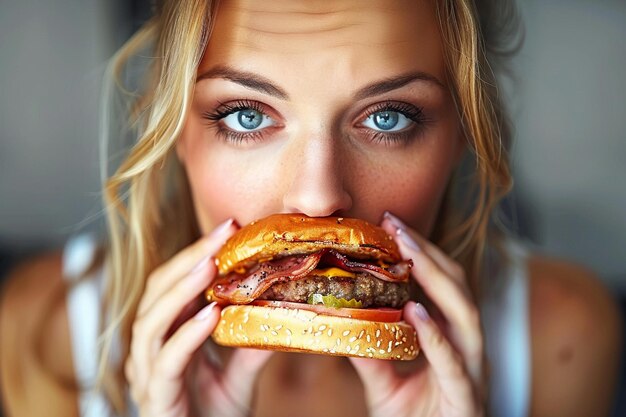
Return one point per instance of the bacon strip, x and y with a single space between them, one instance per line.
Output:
245 288
395 273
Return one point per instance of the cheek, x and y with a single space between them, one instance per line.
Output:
413 186
221 186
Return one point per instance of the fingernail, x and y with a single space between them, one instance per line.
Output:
399 224
222 227
408 240
205 312
201 265
421 312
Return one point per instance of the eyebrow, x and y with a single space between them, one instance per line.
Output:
259 83
246 79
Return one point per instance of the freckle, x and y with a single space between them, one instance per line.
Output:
565 355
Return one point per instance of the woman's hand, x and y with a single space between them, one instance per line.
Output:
167 373
451 381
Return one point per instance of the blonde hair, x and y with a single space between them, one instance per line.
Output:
149 210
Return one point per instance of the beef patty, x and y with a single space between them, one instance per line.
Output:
371 291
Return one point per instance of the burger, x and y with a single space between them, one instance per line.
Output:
327 285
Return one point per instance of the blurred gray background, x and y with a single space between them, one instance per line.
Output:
568 101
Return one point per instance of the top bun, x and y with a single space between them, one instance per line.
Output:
282 235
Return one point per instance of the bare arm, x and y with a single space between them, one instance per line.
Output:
576 341
36 367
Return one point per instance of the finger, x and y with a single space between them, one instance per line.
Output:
164 277
451 296
166 382
446 363
149 330
392 224
239 376
379 379
454 303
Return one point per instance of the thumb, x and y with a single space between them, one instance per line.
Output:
378 376
240 375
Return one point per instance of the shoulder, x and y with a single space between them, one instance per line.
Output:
35 359
576 340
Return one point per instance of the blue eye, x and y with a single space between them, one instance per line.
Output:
247 120
387 121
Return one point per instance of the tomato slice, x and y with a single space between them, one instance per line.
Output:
384 314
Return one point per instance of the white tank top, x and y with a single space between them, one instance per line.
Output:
504 311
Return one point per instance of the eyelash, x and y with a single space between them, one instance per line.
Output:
415 114
226 109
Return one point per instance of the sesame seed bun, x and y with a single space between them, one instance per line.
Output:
298 330
294 234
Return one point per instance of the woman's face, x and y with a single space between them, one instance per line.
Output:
321 108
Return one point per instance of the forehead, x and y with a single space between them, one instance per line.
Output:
354 37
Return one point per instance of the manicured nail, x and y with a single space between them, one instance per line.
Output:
205 312
408 240
204 262
421 312
399 224
222 227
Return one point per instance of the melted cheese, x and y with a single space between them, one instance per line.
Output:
333 272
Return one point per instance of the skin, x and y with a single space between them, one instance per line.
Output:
319 158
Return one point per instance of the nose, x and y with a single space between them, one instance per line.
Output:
318 174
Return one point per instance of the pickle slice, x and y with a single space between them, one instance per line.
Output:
332 301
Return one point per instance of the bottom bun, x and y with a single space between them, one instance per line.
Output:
296 330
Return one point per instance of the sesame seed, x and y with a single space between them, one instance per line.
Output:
289 341
246 318
362 355
370 355
240 327
369 339
338 341
318 333
357 347
280 326
348 348
378 343
398 356
245 338
231 332
346 332
404 339
382 351
322 327
330 332
274 333
377 333
405 350
265 339
352 339
361 333
386 326
288 331
389 347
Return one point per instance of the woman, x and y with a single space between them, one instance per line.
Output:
324 108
